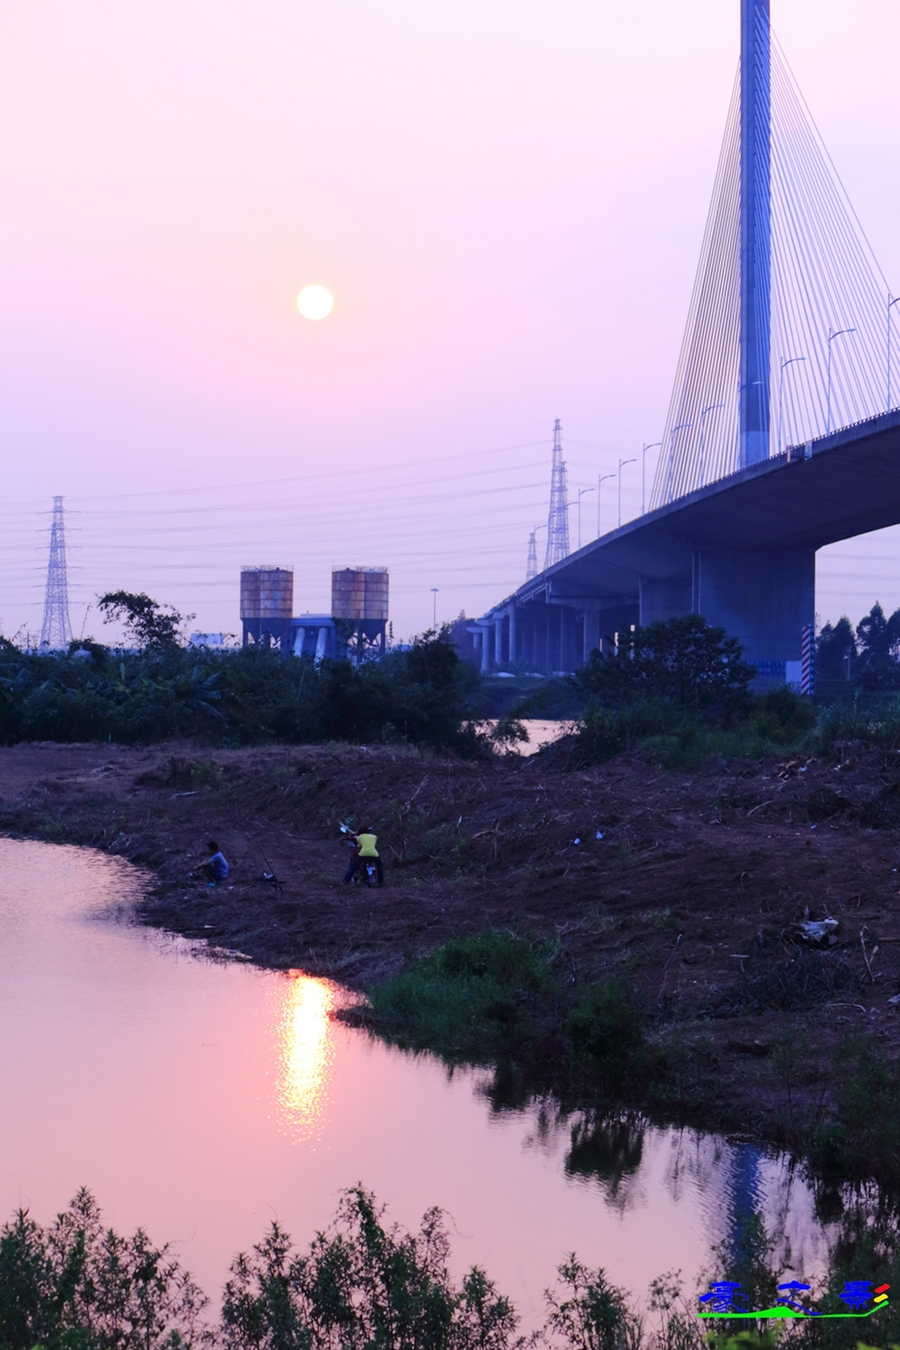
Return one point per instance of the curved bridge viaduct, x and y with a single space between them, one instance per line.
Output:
741 552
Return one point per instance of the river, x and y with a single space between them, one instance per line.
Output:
200 1099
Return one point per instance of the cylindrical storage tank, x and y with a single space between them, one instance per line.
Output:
249 592
267 593
376 593
348 593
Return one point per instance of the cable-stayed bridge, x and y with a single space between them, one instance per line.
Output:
783 431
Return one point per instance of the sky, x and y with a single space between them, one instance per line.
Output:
505 199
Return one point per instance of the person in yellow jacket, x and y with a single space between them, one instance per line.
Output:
366 849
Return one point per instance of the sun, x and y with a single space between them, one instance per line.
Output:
315 302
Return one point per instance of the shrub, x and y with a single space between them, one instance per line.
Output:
79 1285
685 664
605 1030
424 696
362 1286
475 997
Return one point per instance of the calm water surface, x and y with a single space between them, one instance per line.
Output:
201 1100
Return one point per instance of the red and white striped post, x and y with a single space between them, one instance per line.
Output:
807 659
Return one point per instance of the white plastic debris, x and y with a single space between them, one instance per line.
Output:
816 930
576 841
599 835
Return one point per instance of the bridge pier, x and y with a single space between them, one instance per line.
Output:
764 598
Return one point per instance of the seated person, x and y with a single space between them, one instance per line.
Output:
215 867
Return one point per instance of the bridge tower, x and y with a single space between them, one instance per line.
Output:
755 234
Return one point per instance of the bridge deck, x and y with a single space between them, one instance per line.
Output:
834 488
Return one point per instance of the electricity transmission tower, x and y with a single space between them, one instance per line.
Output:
56 630
531 567
558 519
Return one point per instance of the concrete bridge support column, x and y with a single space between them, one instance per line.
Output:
592 633
482 636
498 641
763 599
512 635
666 599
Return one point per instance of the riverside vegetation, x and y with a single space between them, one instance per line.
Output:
677 690
594 970
366 1285
513 1003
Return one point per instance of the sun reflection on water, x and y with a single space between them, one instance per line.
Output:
306 1043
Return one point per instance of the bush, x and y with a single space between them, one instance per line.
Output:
682 664
605 1029
862 1137
474 998
78 1286
362 1286
425 695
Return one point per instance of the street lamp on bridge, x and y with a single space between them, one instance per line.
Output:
672 434
651 445
601 478
710 407
831 336
581 492
621 462
791 360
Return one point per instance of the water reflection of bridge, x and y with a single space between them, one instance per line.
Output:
789 336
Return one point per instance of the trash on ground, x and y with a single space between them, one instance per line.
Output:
817 930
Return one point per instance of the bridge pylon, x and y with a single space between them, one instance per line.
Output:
755 340
777 441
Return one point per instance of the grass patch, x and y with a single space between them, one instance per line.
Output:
474 998
499 997
862 1136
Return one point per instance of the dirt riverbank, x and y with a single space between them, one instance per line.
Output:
697 882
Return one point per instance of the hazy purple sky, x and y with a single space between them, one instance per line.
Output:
506 201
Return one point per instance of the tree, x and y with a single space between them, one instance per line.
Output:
878 640
836 651
684 663
154 627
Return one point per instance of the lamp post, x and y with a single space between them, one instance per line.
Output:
831 336
891 302
531 566
581 492
651 445
621 462
783 367
434 596
601 478
710 407
681 427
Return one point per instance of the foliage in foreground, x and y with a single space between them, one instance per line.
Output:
78 1286
424 695
364 1285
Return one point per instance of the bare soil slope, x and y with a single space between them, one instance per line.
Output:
697 881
